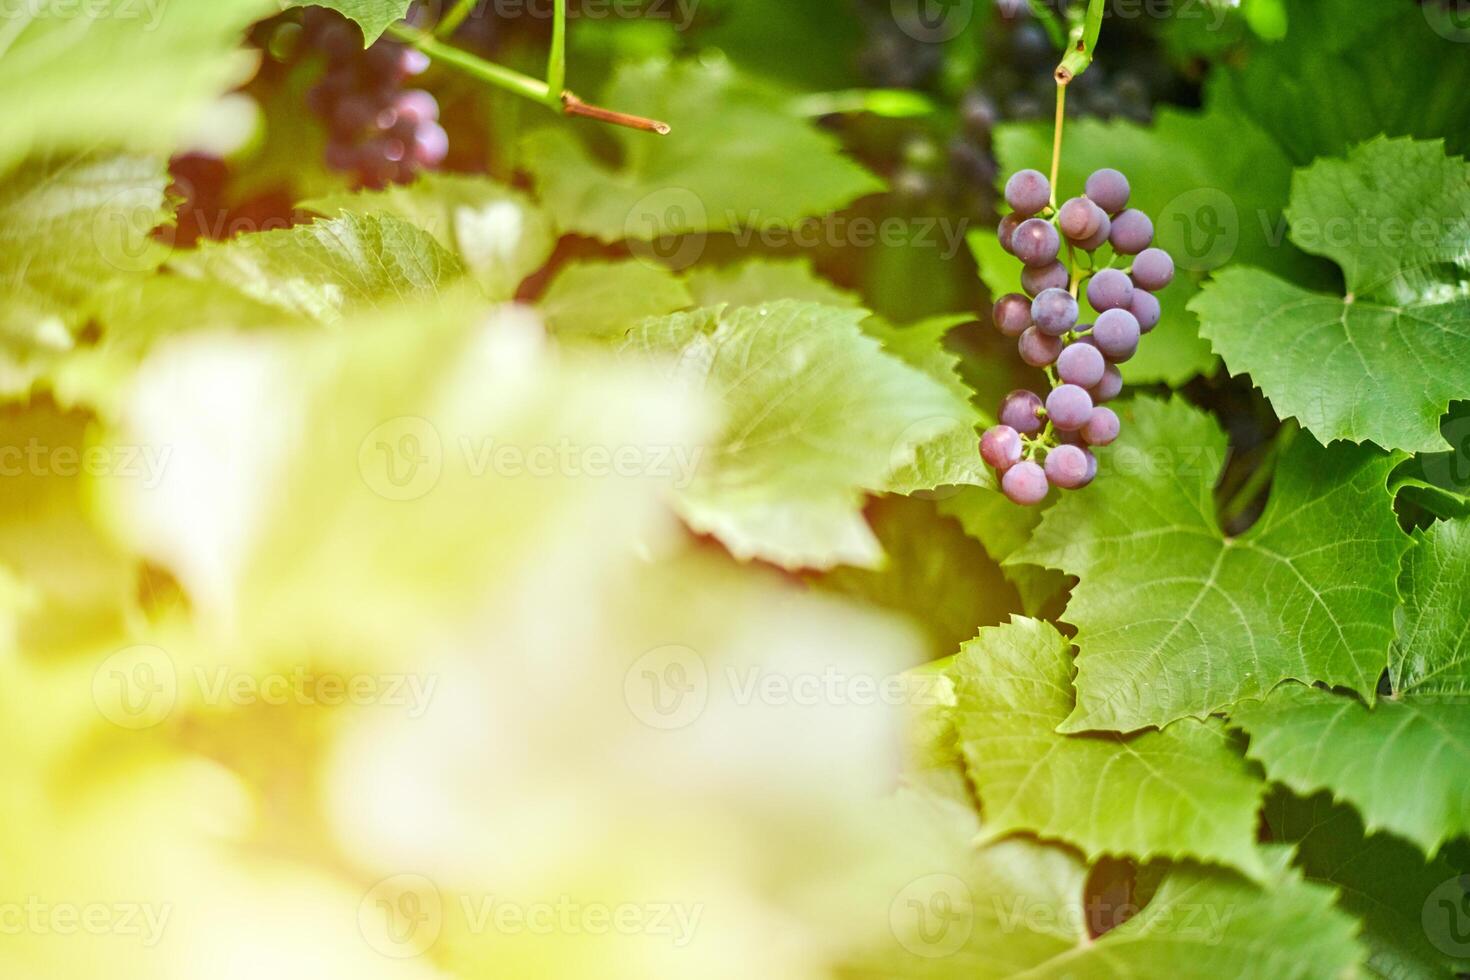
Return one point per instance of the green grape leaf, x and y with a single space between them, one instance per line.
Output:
1183 792
74 80
934 574
324 269
760 280
1176 620
67 228
499 234
947 454
1002 528
1017 908
1431 656
1347 72
373 16
1382 363
816 414
1400 763
1381 879
727 164
603 300
1210 181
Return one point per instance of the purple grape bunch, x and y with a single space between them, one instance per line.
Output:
1041 443
379 130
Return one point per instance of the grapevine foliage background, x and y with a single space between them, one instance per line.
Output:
446 536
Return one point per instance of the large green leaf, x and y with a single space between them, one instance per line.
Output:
1383 362
603 300
1184 792
816 413
373 16
737 157
947 453
499 234
761 280
1381 879
116 73
1018 909
1174 619
1402 764
1212 183
1348 71
322 269
1432 654
67 228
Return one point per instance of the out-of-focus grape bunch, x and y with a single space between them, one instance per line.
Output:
380 130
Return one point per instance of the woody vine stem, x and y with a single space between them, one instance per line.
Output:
550 91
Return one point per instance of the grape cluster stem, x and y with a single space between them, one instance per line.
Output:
550 92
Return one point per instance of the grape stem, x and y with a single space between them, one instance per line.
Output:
450 22
1056 139
553 96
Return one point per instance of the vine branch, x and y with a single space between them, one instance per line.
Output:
550 92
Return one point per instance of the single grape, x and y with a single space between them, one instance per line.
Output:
1068 438
1019 411
1068 467
1102 427
1035 281
1069 407
430 145
1153 269
1012 314
1116 333
1000 446
1097 241
1006 231
1109 289
1054 311
1079 219
1132 233
1036 242
1145 309
416 106
1025 484
1109 387
1108 189
1081 364
1038 349
1027 192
